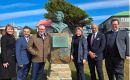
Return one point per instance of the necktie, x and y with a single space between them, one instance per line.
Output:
92 39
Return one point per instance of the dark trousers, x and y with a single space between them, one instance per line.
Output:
80 71
115 66
98 64
37 70
23 71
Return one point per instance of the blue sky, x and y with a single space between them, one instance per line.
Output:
29 12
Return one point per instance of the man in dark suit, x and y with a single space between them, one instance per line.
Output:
117 49
22 55
96 45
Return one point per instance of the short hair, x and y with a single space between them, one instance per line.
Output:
93 25
8 25
115 20
41 25
79 28
26 27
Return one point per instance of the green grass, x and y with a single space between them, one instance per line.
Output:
86 68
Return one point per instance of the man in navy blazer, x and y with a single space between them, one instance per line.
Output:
96 46
117 49
22 55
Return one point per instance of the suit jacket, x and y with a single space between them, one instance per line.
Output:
39 47
22 54
98 45
122 42
82 49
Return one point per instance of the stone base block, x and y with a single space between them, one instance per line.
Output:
59 72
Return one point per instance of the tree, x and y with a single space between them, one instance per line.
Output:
74 16
33 31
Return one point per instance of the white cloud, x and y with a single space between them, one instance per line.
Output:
95 18
101 17
27 24
104 4
85 6
5 16
17 5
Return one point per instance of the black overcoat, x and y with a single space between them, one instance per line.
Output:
7 55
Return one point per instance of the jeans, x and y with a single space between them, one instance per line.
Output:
37 70
23 71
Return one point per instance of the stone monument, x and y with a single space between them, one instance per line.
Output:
60 50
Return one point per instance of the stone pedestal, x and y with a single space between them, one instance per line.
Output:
59 72
60 57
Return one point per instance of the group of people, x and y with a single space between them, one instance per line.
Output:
24 52
113 46
32 51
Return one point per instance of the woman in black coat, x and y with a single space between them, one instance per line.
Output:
7 57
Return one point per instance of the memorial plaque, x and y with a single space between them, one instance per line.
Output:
60 41
60 48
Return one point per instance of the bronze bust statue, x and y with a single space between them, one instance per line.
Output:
58 26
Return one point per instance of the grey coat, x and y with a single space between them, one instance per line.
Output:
122 42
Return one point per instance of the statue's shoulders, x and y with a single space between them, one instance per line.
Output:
54 24
64 25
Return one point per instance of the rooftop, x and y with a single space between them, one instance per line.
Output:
120 14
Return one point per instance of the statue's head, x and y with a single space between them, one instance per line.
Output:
59 15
